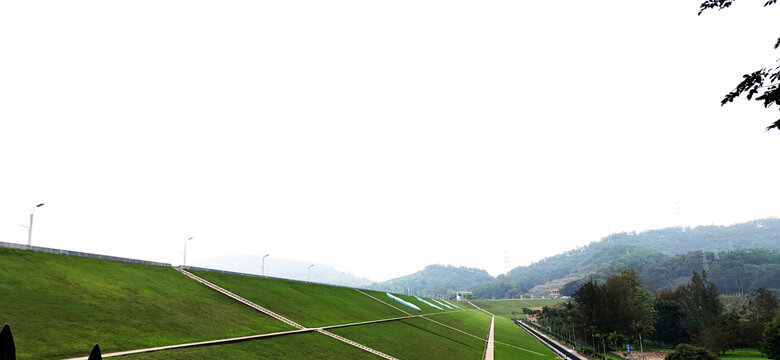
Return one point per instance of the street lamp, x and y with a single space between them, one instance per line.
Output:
310 266
184 262
262 265
29 229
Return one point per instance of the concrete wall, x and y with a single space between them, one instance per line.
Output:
78 253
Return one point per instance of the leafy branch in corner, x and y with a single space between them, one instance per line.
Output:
764 82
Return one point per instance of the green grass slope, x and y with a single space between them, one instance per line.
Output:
415 339
311 305
59 306
504 308
425 309
512 342
292 347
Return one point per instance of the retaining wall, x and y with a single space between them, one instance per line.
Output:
81 254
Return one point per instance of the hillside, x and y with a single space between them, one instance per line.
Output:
654 253
436 280
58 306
284 268
664 257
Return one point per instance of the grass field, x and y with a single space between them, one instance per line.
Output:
504 308
311 305
415 339
311 345
60 306
514 343
744 354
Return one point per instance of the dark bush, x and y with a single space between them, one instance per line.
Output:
688 352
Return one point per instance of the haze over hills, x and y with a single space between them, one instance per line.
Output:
436 280
284 268
664 258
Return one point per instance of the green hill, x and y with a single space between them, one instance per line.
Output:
437 280
652 253
59 306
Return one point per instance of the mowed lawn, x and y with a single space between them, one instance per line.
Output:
415 338
504 308
744 354
310 345
60 306
308 304
512 342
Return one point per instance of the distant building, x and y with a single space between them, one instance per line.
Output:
521 296
463 295
555 293
531 315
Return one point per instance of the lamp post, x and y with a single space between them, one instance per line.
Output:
184 261
310 266
29 229
342 278
262 265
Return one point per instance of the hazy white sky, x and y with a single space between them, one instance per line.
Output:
377 137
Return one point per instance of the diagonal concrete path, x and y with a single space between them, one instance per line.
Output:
286 320
241 300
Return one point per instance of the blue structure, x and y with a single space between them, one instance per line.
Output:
403 302
442 304
427 303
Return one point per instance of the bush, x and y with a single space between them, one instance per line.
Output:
688 352
770 342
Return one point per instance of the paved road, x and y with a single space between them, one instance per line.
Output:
552 344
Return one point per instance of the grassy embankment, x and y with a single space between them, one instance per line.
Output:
310 345
320 305
504 308
59 306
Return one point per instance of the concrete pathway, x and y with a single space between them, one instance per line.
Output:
242 300
490 343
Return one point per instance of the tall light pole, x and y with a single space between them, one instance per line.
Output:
342 278
310 266
184 261
29 229
262 265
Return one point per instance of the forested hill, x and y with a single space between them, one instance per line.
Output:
664 258
645 250
436 280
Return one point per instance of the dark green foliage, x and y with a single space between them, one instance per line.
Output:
664 258
618 310
763 308
688 352
770 343
765 81
669 312
700 303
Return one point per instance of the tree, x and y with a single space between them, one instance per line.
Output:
700 303
764 82
687 352
770 344
669 313
620 309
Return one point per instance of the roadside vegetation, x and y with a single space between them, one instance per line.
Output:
605 316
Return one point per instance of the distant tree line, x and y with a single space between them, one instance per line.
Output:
606 315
